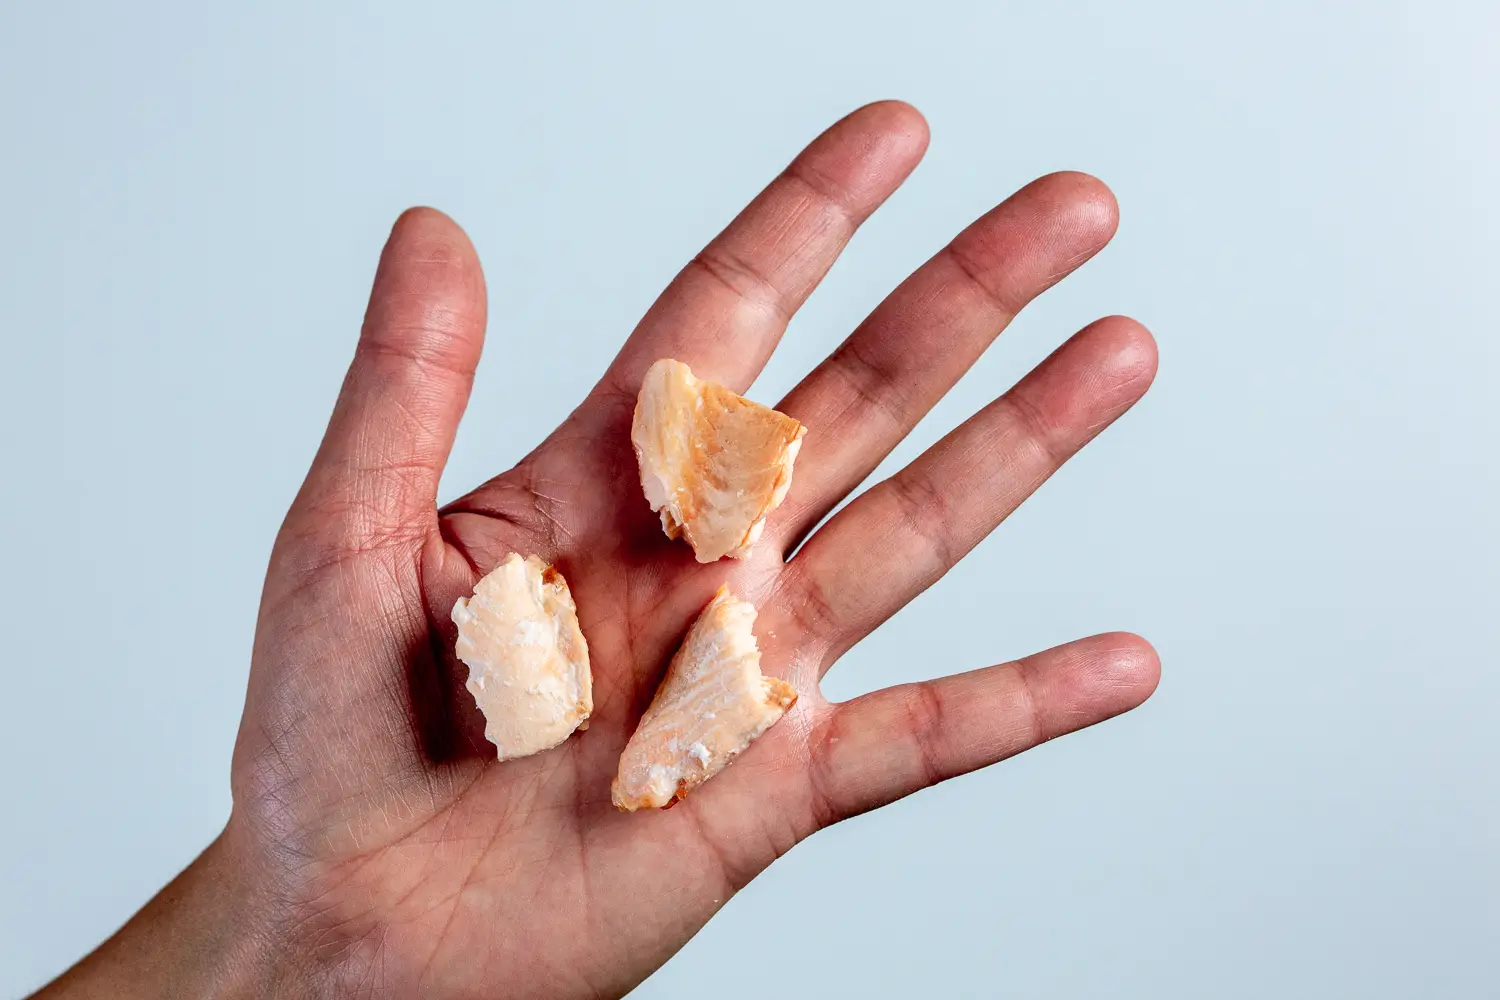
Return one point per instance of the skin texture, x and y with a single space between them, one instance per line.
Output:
376 848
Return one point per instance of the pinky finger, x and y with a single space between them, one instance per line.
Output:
885 745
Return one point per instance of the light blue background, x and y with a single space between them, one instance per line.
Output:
1301 515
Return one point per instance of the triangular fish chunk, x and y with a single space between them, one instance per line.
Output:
713 463
712 704
528 661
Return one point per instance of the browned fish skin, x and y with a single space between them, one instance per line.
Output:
712 704
713 463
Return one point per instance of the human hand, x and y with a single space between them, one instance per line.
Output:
377 848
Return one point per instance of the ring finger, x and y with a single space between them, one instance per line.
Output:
896 539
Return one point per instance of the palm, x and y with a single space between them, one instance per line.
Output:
404 857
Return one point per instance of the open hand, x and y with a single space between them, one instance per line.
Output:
376 848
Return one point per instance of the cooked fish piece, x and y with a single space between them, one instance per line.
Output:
528 662
712 704
712 462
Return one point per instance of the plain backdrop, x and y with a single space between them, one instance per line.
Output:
1301 515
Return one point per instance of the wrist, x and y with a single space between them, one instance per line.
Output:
205 935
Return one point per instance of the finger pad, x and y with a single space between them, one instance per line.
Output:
867 153
1091 680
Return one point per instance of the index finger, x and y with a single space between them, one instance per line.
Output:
726 310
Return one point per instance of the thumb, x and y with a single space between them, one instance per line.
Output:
375 477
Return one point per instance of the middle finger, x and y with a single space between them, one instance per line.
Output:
911 350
